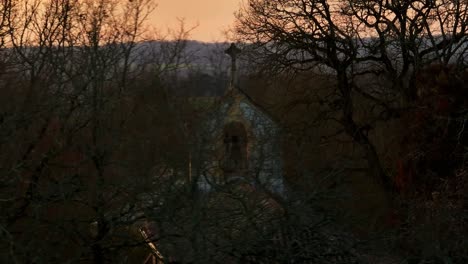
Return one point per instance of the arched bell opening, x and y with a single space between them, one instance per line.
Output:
235 143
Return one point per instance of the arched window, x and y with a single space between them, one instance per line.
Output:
235 148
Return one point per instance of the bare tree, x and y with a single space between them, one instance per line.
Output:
75 114
373 56
354 42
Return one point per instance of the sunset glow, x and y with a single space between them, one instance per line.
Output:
212 16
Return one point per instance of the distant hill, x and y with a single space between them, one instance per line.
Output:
206 55
203 67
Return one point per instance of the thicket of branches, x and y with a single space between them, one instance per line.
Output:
387 76
85 125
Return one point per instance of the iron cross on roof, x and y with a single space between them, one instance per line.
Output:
233 51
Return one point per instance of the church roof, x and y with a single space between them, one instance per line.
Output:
203 91
250 100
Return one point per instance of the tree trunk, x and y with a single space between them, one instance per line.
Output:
360 137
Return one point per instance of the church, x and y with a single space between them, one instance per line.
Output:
245 141
235 145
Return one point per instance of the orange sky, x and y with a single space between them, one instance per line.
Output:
212 16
